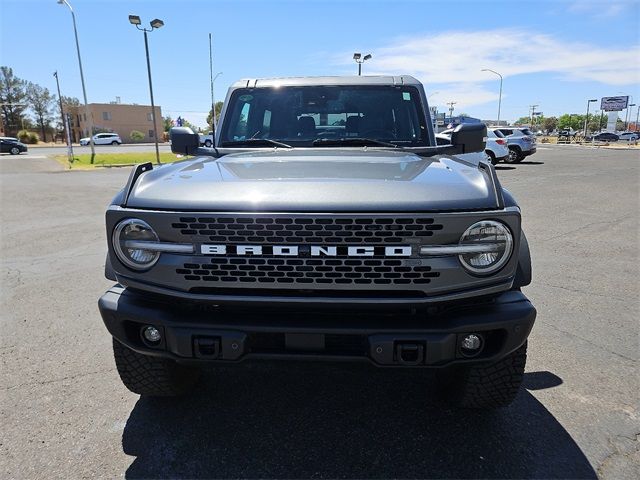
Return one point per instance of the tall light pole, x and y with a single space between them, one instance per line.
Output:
155 23
637 115
65 126
84 90
626 118
360 60
500 95
586 120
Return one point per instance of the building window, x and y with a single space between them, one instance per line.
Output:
149 117
150 133
106 115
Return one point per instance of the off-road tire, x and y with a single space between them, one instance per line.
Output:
485 386
153 376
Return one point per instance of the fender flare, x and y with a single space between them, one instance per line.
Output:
523 271
109 273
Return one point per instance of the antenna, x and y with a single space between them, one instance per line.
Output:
213 106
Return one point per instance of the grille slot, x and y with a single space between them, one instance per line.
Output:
301 230
301 271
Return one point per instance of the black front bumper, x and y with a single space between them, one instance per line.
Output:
202 332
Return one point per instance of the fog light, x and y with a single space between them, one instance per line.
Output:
151 334
471 343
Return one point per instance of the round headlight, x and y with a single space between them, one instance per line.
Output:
493 242
125 236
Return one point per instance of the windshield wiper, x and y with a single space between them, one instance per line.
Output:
355 141
255 141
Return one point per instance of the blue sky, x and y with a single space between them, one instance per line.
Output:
555 54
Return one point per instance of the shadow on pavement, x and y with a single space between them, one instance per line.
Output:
531 163
500 167
322 420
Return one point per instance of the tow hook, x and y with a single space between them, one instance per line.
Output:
206 347
409 353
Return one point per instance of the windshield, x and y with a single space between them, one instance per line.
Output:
317 115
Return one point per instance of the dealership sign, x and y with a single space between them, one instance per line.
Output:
614 104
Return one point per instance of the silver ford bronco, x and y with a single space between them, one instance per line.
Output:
324 223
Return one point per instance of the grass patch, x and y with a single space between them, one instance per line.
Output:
116 159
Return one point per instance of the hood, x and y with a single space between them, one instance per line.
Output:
316 180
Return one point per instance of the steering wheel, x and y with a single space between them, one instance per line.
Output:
378 133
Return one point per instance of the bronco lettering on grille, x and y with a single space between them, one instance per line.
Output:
307 250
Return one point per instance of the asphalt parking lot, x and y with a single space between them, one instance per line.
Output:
64 412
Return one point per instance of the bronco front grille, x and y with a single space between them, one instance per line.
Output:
305 271
307 229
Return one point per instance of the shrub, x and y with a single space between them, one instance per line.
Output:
26 136
136 136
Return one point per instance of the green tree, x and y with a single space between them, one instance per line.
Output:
167 123
549 124
41 102
12 100
136 136
218 107
523 121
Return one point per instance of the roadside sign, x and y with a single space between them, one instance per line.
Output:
614 104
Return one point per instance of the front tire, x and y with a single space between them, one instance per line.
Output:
208 143
485 386
14 151
153 376
115 143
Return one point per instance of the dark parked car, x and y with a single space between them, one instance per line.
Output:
605 137
12 146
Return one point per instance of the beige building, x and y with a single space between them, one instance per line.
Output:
118 118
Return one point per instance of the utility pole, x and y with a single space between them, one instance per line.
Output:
451 104
533 109
65 126
637 114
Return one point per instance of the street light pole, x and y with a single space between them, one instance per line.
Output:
500 95
84 90
156 23
626 117
359 59
637 115
65 129
586 120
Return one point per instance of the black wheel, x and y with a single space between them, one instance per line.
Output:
14 151
115 143
485 386
207 143
153 376
514 155
490 157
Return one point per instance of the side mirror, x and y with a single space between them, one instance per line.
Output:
184 141
469 137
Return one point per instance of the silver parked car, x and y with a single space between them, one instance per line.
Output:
521 142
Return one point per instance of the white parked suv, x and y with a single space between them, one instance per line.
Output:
103 139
